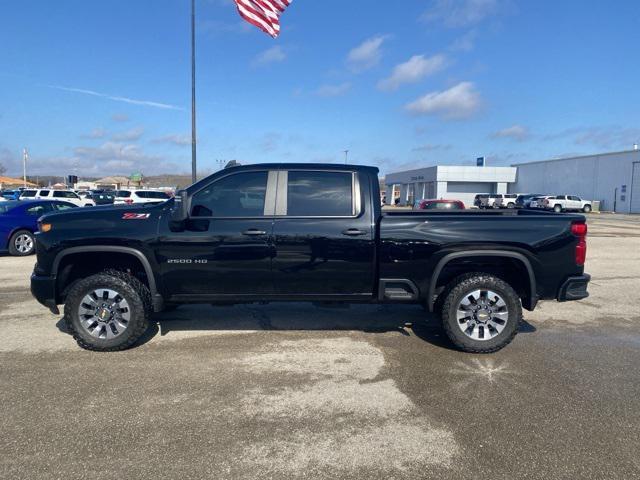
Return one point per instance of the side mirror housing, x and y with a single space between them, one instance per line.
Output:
180 210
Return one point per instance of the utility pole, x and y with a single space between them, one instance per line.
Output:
25 156
193 91
346 156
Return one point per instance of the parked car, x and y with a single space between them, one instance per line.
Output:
477 200
562 203
524 201
317 234
62 195
101 197
19 222
490 200
129 197
10 194
439 205
507 200
537 202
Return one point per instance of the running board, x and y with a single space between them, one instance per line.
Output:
397 289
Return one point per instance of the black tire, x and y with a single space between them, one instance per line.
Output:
461 287
511 205
557 208
15 249
586 209
131 289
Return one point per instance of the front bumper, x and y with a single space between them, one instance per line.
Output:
43 288
574 288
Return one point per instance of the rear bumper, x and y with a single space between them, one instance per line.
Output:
44 290
574 288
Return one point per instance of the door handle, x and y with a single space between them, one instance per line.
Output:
253 232
353 232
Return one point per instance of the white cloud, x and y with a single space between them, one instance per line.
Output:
175 139
465 43
130 135
515 132
120 117
367 54
413 70
95 133
460 13
271 55
333 90
458 102
133 101
431 147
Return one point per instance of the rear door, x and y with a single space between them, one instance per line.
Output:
324 235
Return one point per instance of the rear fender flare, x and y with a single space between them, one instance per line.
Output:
483 253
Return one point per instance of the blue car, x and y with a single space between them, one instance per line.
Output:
19 221
10 194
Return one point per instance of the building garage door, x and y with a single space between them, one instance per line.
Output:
635 189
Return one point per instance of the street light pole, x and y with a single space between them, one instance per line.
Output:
346 156
25 155
193 91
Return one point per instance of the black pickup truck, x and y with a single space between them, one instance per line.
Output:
303 232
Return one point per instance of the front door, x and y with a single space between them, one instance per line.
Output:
324 235
226 246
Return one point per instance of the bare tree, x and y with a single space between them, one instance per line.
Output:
3 169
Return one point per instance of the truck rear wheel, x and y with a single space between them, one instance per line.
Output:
108 311
480 313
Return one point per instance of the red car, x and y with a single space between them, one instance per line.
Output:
439 205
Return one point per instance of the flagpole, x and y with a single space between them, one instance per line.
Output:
193 91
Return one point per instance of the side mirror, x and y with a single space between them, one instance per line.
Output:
180 210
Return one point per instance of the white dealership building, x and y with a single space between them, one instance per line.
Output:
611 178
448 182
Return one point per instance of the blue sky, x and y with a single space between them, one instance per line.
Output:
102 88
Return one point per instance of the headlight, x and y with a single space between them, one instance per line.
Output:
44 227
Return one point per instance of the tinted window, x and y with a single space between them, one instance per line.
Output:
44 193
238 195
63 206
37 210
442 206
320 194
64 194
495 196
510 196
158 195
28 193
574 198
123 194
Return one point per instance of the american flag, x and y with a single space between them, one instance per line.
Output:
264 14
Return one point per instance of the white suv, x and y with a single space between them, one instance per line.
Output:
507 200
127 197
51 194
492 200
561 203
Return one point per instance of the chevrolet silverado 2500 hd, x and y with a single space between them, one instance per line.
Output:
303 232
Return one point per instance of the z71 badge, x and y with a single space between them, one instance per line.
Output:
136 216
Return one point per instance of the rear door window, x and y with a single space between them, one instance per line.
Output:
320 194
28 194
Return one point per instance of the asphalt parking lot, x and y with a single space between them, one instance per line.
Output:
298 391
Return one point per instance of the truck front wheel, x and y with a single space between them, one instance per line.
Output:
480 313
108 311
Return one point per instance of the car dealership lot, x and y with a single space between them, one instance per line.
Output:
281 391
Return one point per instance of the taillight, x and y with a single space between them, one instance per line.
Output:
580 231
128 201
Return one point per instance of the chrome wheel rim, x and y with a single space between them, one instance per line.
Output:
104 313
24 243
482 315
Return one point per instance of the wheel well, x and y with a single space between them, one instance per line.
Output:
76 266
511 270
